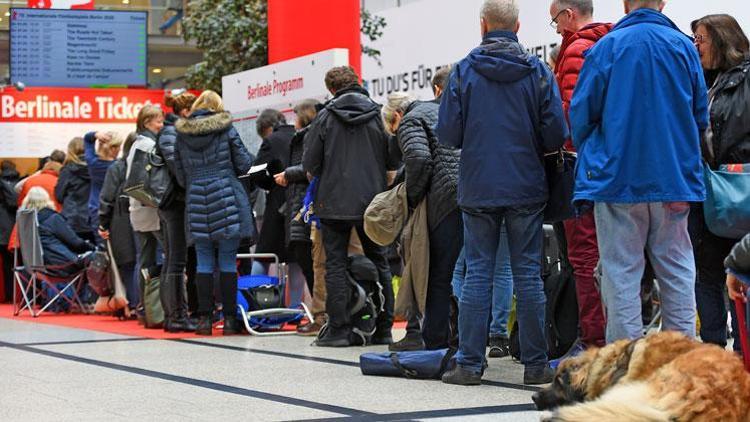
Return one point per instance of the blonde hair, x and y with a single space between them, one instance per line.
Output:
210 101
397 102
116 141
75 150
145 115
180 102
37 199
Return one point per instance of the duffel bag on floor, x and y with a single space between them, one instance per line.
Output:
421 364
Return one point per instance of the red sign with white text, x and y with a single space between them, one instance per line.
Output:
61 4
75 105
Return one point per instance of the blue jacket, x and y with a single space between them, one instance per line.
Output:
636 115
61 245
97 170
209 155
503 108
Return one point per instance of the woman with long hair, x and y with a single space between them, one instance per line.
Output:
98 160
73 190
209 155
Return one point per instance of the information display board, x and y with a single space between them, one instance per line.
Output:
78 48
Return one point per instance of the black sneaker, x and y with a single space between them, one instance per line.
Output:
334 337
411 342
538 375
231 327
499 347
381 340
461 376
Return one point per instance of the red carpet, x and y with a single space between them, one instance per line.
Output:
106 324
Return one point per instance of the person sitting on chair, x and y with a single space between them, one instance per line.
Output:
63 248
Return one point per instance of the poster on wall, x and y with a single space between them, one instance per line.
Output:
38 120
413 48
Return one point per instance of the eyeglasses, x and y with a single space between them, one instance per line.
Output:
553 23
700 39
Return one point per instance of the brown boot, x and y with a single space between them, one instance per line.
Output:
311 328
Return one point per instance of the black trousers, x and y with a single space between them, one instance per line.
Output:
173 289
336 235
446 241
149 242
302 252
7 258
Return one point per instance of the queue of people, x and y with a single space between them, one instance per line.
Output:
644 106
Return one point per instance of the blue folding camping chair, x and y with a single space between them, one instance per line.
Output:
262 301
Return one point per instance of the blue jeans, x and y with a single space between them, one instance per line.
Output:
624 232
207 252
502 286
481 240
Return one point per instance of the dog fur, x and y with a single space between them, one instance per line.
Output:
662 377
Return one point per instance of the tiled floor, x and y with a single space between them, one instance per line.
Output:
60 373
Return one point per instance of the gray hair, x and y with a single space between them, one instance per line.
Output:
584 7
500 14
645 4
397 102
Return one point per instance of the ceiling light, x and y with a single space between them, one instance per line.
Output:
125 1
156 70
7 13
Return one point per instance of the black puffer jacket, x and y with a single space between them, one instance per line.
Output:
431 169
297 184
114 214
209 157
166 146
8 202
730 116
72 191
738 259
347 148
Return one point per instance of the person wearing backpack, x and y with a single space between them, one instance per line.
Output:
145 220
209 155
172 288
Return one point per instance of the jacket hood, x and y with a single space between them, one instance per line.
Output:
501 58
79 170
201 126
353 106
10 174
640 16
592 32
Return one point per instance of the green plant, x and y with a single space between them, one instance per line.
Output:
372 28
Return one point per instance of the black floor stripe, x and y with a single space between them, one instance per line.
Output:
333 361
432 414
107 340
194 382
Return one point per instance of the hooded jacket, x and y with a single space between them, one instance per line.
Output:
428 173
61 245
348 149
143 218
46 179
97 171
571 58
297 230
72 191
8 206
208 158
114 214
636 115
503 108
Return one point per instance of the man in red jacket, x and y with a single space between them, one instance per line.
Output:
573 19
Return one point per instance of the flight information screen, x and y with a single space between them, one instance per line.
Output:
78 48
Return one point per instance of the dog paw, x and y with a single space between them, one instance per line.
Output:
548 416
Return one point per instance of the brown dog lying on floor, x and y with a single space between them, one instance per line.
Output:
662 377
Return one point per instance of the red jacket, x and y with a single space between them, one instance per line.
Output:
570 60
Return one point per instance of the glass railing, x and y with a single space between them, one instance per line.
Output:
163 15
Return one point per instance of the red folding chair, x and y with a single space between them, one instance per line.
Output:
742 322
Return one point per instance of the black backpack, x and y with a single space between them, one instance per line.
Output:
561 322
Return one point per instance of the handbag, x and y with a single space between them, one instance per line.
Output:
560 167
727 206
420 364
97 273
149 181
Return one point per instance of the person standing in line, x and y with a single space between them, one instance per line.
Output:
209 156
573 19
98 160
72 190
45 178
172 287
349 126
723 48
639 163
500 75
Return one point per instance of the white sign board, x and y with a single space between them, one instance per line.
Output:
423 36
280 86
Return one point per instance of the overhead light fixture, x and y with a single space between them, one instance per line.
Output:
156 70
125 1
7 13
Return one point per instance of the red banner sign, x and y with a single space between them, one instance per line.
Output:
76 105
61 4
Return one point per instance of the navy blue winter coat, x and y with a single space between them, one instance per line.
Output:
503 108
166 146
72 192
209 155
61 245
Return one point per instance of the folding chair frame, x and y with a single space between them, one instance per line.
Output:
283 279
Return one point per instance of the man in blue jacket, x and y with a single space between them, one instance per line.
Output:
502 107
636 116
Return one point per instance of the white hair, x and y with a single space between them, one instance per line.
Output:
37 199
397 102
500 14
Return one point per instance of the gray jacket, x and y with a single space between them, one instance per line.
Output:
143 218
